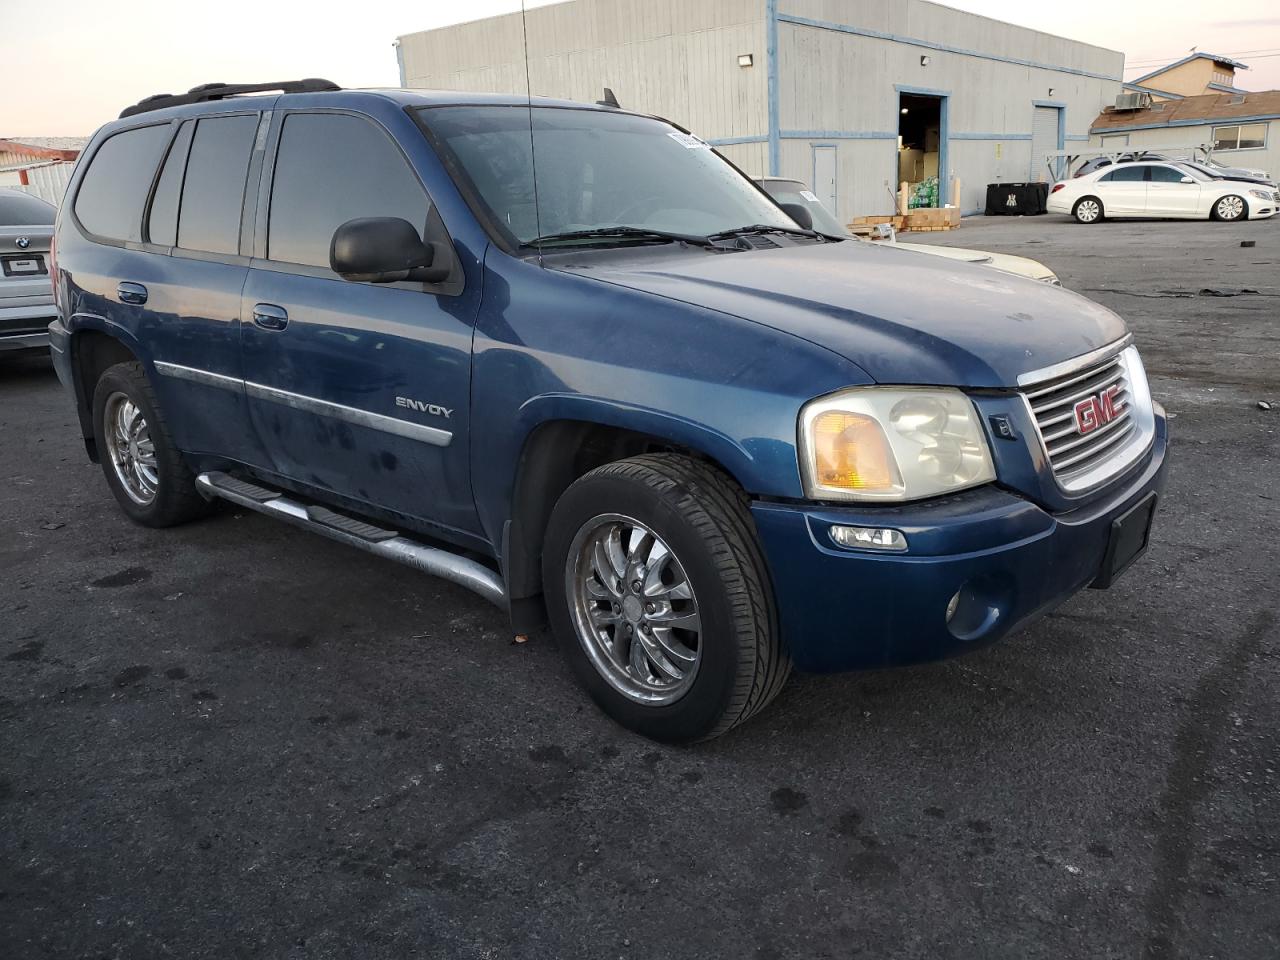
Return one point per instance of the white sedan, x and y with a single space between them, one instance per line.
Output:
1151 189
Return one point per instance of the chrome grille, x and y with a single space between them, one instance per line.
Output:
1083 460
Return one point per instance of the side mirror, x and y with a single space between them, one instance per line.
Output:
799 213
1188 180
383 250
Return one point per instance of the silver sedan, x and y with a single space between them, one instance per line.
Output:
26 284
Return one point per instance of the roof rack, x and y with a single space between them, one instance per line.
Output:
219 91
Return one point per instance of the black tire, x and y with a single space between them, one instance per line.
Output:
704 518
175 499
1086 201
1241 214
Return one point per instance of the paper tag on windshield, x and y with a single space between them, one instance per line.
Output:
689 141
811 197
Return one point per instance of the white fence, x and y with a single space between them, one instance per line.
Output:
48 181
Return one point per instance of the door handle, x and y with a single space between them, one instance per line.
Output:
270 317
134 293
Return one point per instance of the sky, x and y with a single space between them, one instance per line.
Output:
74 64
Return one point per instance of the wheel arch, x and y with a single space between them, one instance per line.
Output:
94 349
555 453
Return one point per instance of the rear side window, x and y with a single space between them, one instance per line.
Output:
331 168
213 190
19 210
114 189
1126 174
162 225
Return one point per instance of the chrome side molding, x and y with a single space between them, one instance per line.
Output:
338 411
466 573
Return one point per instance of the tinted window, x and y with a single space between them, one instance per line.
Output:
213 191
114 189
1126 175
18 209
162 226
1167 175
332 168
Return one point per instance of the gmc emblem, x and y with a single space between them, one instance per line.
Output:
1096 411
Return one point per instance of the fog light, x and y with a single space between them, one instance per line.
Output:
869 538
952 605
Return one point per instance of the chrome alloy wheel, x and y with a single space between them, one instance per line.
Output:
633 609
1230 208
1087 211
132 451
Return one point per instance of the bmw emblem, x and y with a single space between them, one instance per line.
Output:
23 242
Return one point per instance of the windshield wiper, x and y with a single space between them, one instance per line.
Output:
763 228
620 233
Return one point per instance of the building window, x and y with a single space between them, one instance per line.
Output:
1223 78
1248 136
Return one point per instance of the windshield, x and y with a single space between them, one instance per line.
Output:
595 170
17 209
793 191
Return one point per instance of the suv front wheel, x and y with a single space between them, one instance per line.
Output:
658 591
145 471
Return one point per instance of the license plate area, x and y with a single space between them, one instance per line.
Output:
1130 537
23 265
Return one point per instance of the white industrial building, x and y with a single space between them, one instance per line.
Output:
851 96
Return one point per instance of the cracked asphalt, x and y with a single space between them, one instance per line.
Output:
234 739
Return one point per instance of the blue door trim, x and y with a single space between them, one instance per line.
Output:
944 136
813 168
774 96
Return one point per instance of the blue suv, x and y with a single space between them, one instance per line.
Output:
571 358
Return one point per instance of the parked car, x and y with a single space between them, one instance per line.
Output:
1220 173
26 290
788 191
1146 189
1212 167
631 395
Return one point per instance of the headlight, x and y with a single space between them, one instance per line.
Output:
1261 194
892 443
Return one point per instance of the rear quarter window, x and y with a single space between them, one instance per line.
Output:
114 190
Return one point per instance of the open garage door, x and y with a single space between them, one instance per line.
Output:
1044 140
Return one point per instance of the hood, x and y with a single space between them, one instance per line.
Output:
901 317
1022 266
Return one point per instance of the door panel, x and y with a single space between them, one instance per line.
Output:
1124 191
1044 140
364 391
1168 196
194 294
361 389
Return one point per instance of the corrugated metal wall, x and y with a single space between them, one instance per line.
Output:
674 58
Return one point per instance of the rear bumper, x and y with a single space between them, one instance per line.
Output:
24 327
843 609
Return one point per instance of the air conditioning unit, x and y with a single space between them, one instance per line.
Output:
1133 101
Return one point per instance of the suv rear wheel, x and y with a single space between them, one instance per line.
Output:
658 592
145 471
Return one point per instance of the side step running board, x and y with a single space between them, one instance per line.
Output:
390 544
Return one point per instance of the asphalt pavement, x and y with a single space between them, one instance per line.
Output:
235 739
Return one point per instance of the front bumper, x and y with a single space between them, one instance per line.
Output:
843 609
